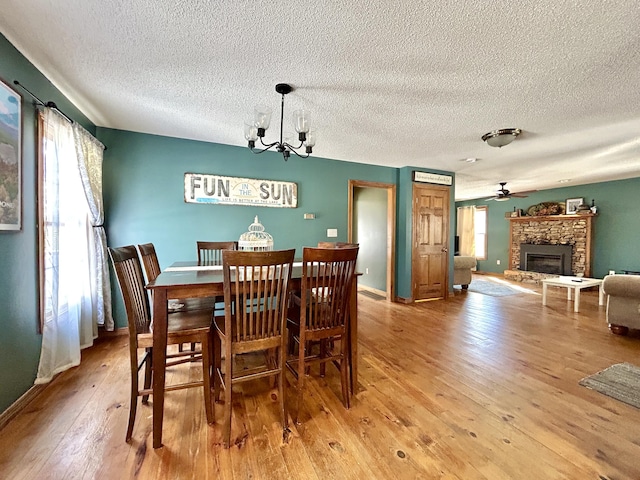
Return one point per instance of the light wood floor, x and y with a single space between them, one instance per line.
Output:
475 387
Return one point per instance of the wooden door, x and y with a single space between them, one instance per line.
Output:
430 256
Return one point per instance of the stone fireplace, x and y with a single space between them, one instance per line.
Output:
572 232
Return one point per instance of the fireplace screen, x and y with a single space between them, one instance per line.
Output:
554 259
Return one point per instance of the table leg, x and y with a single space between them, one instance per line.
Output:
600 295
544 293
353 335
569 293
159 361
576 303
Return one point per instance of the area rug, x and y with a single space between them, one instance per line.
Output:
620 381
495 289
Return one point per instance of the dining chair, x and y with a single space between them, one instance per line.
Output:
258 284
183 327
151 268
211 252
319 316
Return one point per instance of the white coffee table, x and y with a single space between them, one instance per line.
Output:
573 283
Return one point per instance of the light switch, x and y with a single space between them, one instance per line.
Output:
332 232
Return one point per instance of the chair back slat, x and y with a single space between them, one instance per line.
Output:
149 261
126 265
211 252
257 284
327 274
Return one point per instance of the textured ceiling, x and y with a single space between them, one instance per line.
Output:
411 83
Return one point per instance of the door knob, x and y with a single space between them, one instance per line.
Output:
444 250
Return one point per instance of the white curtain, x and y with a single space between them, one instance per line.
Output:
466 230
89 152
70 292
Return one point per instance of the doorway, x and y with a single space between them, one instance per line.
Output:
372 224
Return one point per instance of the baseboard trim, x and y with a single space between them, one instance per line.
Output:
16 407
406 301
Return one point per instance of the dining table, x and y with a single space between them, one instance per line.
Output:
190 280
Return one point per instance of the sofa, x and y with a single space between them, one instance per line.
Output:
623 302
462 267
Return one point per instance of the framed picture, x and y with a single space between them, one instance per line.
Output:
10 158
572 205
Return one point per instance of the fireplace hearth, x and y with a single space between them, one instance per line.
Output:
552 259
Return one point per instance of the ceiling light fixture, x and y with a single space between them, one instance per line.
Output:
256 128
502 137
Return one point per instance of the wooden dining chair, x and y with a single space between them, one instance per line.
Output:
211 252
318 318
151 268
183 327
258 284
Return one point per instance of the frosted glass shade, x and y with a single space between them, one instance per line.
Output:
262 116
312 136
301 120
250 131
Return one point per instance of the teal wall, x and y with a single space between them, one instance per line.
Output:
616 228
19 341
144 195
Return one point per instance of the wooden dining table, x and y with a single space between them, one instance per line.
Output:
187 280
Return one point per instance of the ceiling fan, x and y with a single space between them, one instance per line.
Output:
503 194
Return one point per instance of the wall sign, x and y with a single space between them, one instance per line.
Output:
437 178
218 190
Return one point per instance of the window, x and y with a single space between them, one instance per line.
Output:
63 220
480 232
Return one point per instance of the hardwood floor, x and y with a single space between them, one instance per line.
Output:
475 387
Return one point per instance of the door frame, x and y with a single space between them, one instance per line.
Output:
391 226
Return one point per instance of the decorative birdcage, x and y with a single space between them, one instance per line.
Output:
256 239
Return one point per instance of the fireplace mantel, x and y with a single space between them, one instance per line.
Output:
550 217
575 230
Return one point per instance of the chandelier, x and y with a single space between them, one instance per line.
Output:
256 128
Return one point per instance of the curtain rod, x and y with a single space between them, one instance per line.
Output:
49 104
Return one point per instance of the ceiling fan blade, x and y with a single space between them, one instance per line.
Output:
518 195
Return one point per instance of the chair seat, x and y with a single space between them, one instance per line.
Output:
180 325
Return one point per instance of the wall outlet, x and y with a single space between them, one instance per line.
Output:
497 262
332 232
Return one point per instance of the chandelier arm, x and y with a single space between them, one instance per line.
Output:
254 150
291 147
292 150
268 146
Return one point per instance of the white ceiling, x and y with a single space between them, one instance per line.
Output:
410 83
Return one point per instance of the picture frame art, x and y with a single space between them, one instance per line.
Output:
10 158
573 204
